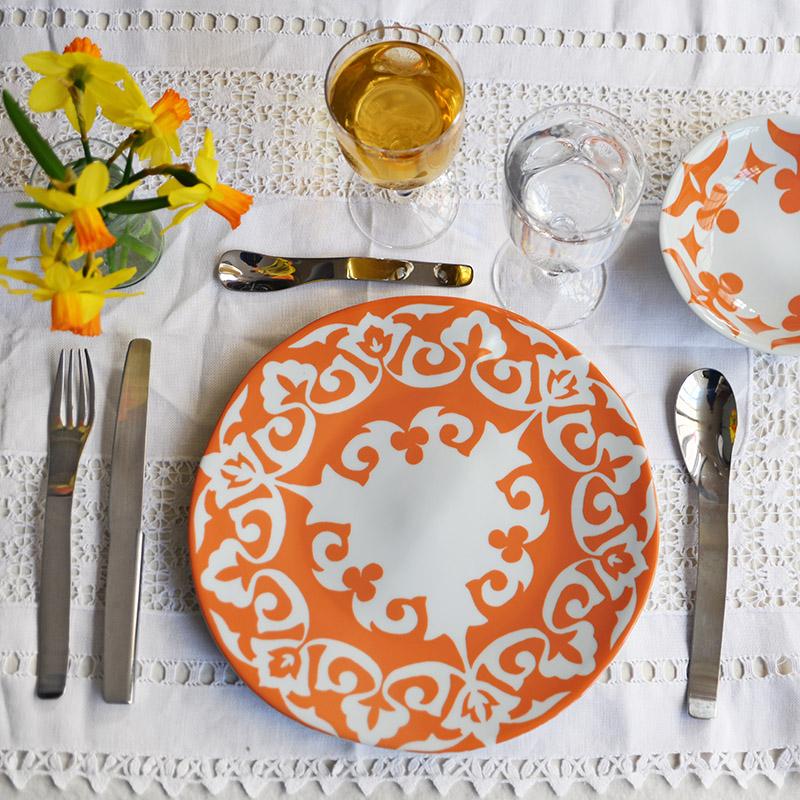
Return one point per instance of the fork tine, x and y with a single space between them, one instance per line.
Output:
81 415
68 395
90 395
57 394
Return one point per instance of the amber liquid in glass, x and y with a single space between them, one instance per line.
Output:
399 104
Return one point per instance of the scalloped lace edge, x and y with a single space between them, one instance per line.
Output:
405 770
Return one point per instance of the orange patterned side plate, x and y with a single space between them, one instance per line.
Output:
730 228
423 523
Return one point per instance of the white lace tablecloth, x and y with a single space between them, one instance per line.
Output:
675 71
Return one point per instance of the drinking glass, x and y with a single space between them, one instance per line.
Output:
396 100
574 178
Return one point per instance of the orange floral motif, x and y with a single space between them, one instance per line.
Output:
717 295
511 543
753 167
756 323
790 324
376 343
617 561
786 179
411 441
362 581
694 189
284 661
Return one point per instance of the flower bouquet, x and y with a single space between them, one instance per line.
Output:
87 202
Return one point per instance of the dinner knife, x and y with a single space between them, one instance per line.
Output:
245 271
125 534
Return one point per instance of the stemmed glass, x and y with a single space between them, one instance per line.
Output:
396 97
574 178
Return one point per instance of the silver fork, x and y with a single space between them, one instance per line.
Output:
69 421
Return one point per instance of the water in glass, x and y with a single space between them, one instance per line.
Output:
572 190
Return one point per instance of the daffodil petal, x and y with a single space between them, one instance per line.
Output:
48 94
167 187
181 215
55 200
110 71
24 276
102 283
92 183
114 195
45 62
188 195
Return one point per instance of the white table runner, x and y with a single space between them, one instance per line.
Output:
255 80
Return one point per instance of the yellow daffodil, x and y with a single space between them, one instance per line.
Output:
157 125
80 67
81 208
56 249
225 200
76 299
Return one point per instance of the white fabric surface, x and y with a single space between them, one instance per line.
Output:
675 71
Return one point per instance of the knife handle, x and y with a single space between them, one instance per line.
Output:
709 607
121 619
54 598
246 271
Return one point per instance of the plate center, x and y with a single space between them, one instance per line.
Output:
474 544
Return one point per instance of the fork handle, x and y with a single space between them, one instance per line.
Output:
54 597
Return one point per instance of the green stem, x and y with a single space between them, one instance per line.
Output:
181 172
126 176
75 96
86 264
120 149
136 206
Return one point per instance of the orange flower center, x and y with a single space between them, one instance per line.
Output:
91 230
68 313
171 110
230 203
83 45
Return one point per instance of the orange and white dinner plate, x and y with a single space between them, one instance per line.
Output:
730 232
423 523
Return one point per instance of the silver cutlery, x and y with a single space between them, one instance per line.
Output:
244 271
125 533
705 419
69 420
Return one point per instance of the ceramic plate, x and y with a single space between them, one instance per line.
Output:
423 523
730 232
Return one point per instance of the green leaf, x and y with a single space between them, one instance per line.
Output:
33 140
145 228
144 250
29 204
137 206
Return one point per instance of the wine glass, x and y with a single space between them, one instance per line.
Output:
396 97
574 178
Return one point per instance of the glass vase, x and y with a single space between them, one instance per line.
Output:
139 241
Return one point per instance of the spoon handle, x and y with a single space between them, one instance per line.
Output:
709 610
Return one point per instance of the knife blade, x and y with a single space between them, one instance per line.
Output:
245 271
125 533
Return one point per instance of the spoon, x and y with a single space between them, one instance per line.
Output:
705 419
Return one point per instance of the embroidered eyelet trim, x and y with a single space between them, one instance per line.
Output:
184 20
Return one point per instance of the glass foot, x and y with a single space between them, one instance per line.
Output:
403 219
554 301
